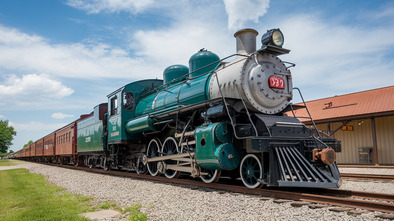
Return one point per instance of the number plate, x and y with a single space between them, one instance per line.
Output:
276 82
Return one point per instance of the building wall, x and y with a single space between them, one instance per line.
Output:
361 136
385 139
350 140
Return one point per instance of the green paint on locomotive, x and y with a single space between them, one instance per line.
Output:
186 93
90 135
175 73
123 106
176 95
203 62
195 91
145 106
139 125
214 149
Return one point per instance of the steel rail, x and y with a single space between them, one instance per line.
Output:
290 195
367 176
359 194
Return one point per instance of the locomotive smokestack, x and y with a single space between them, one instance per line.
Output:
246 41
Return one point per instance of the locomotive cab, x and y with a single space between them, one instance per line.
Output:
122 105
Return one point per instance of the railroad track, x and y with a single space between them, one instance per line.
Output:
333 197
367 176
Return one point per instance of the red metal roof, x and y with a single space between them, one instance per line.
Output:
376 102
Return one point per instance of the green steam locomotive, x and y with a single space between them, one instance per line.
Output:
215 118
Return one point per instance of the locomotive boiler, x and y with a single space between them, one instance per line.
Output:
217 117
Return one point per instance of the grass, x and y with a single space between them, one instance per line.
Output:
25 196
110 205
135 213
8 162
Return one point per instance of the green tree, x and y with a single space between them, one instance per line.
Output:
6 154
30 142
7 134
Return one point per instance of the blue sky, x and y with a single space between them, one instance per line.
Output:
60 58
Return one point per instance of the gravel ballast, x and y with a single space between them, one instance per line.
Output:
168 202
367 171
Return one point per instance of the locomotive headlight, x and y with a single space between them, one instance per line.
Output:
277 38
273 37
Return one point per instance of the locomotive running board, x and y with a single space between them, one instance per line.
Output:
296 171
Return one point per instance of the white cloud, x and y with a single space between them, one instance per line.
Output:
165 47
26 53
326 53
2 116
59 115
35 126
241 11
153 51
97 6
177 42
150 52
338 57
13 36
31 89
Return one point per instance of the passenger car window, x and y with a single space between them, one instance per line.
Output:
128 101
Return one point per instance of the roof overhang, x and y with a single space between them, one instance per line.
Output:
354 117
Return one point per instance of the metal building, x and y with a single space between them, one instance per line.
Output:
363 121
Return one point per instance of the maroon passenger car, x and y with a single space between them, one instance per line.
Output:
39 149
49 147
66 144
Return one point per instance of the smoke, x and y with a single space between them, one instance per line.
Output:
241 11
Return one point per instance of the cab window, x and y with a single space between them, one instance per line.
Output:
114 105
128 101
